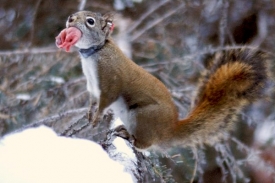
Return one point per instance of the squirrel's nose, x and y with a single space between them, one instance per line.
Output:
71 18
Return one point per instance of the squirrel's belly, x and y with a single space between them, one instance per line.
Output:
89 67
120 110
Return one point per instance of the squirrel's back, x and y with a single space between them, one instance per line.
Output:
234 79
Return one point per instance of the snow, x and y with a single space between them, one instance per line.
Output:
56 79
120 143
123 152
39 155
23 96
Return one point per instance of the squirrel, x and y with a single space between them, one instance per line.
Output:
233 80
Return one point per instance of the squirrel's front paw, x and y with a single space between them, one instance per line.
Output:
95 121
92 110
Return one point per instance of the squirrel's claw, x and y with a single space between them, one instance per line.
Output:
122 132
96 119
89 115
95 122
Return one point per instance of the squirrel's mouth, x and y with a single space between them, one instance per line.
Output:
67 38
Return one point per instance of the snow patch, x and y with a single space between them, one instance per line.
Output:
23 96
39 155
120 144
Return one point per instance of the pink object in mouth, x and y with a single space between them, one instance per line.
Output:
67 38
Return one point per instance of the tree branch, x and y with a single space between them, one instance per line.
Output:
145 15
155 22
203 52
40 50
81 5
32 23
54 118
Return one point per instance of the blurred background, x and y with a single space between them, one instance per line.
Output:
172 39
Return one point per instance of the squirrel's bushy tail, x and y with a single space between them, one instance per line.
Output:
234 79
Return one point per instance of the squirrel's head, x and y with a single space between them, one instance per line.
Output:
94 27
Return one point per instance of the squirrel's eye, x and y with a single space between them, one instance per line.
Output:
90 21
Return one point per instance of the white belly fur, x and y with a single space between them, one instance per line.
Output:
118 107
89 67
119 110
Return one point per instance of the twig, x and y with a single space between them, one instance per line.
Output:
253 157
195 152
82 5
155 22
65 132
223 22
262 29
145 15
41 50
74 131
75 81
203 52
33 20
228 163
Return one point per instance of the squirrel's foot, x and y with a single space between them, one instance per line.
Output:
123 133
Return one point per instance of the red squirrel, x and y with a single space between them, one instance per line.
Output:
233 80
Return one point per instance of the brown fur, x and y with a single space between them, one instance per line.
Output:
234 79
120 76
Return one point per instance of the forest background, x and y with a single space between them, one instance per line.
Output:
172 39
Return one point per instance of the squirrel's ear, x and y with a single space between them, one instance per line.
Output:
109 17
107 23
